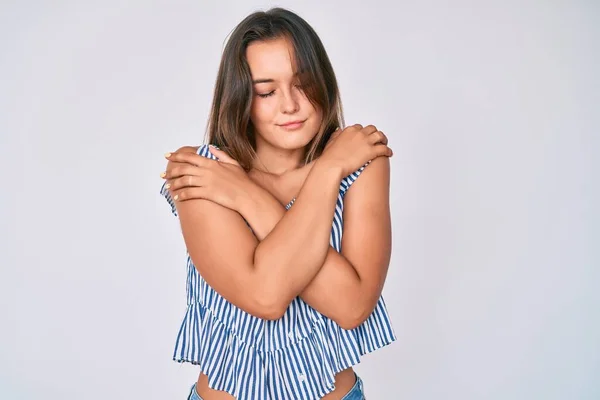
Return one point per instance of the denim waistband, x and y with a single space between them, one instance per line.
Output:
356 393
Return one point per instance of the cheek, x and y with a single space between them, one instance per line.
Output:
319 115
306 105
315 112
262 112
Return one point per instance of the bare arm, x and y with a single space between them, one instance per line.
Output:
348 285
263 278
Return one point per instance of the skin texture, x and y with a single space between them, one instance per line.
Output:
289 254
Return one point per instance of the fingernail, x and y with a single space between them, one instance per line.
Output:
167 155
163 174
176 197
168 185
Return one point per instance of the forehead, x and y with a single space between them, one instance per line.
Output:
271 59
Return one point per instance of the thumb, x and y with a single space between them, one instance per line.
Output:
336 133
332 137
221 155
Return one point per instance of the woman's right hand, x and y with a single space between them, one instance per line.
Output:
354 146
191 176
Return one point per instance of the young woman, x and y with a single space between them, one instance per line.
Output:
286 264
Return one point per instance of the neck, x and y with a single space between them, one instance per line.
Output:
277 161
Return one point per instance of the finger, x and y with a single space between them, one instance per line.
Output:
185 181
190 158
357 126
170 166
179 170
190 194
186 149
332 137
222 156
175 158
369 129
378 137
382 150
335 134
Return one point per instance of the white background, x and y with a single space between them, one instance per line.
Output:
492 112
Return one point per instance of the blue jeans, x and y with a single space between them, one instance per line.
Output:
356 393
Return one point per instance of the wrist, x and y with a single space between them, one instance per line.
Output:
329 168
260 209
246 199
254 198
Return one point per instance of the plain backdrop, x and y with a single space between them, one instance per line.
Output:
492 109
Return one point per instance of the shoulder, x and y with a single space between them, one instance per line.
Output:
376 172
377 168
189 149
201 150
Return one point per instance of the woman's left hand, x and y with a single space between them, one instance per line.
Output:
190 176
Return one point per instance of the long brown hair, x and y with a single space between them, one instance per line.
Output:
229 126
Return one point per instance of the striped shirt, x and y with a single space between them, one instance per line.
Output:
295 357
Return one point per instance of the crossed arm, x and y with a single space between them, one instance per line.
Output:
289 254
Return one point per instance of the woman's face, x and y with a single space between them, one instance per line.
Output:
281 114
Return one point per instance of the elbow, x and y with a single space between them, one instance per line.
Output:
268 307
268 298
350 323
269 314
354 317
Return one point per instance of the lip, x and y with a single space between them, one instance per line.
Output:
292 125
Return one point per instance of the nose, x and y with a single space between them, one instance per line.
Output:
289 102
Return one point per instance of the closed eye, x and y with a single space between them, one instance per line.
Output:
266 94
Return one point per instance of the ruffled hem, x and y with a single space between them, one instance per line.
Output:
165 193
303 368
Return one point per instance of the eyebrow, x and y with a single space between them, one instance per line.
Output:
262 81
270 80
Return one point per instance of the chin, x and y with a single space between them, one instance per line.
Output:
295 140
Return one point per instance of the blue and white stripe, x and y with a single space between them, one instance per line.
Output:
295 357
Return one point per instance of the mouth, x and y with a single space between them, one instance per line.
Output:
292 125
